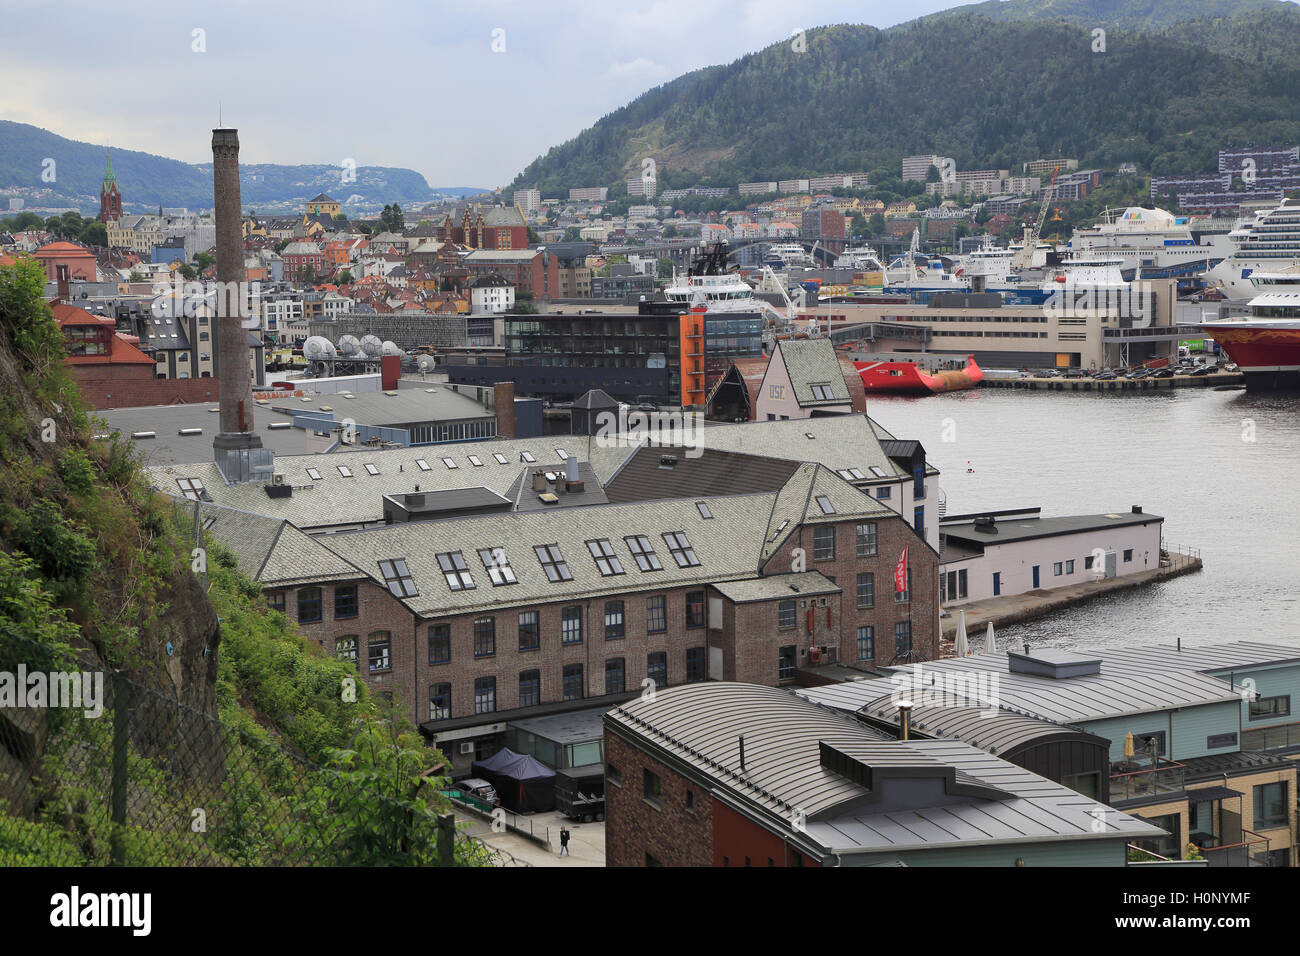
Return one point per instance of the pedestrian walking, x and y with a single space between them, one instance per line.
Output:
564 841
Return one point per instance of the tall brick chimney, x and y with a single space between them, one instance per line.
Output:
237 449
65 290
503 401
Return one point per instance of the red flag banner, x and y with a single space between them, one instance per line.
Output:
900 573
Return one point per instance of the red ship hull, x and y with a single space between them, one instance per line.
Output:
906 378
1269 357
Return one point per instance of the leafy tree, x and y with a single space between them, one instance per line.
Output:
93 233
345 277
664 267
188 272
572 234
203 262
670 232
877 224
533 237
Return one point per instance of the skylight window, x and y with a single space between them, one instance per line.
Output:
450 463
423 465
476 461
825 504
564 455
398 578
552 562
527 456
809 435
501 459
681 549
878 471
606 561
191 488
371 469
498 566
821 392
345 471
313 474
704 510
856 475
455 571
645 556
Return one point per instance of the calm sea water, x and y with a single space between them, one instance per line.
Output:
1184 454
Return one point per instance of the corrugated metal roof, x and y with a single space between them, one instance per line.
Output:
1211 659
783 776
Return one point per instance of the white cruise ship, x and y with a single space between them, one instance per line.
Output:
1151 243
1270 242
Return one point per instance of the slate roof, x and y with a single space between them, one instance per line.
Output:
811 362
274 552
975 798
642 475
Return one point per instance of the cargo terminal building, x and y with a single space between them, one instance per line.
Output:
1119 326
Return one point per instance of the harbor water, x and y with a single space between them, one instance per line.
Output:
1220 467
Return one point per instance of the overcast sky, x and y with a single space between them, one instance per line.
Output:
412 83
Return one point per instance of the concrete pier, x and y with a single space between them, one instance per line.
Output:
1116 384
1014 608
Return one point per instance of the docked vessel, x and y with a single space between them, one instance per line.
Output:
1266 343
1270 242
908 378
1147 243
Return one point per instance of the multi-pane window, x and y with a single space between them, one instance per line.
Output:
530 688
485 695
498 566
824 542
1056 568
821 392
866 589
380 651
309 605
573 689
656 666
866 642
439 643
345 601
1266 707
694 609
571 625
345 648
1270 805
697 664
785 614
902 638
439 701
952 585
824 503
275 601
918 482
455 571
645 556
606 561
485 636
1069 566
552 562
191 488
902 597
398 578
530 631
615 675
613 620
656 614
681 549
786 662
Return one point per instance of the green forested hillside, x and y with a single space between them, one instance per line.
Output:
988 93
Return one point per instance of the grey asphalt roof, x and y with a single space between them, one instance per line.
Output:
433 403
525 499
170 447
798 502
1027 528
795 585
711 472
814 361
987 800
1120 689
575 726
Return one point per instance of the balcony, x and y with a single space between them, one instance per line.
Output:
1251 851
1165 777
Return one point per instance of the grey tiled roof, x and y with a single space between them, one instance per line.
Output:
803 584
814 361
273 552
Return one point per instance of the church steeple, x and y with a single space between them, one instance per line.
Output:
110 197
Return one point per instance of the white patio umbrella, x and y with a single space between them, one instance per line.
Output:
961 648
990 645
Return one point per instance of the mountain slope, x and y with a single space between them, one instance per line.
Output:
987 93
148 181
1110 14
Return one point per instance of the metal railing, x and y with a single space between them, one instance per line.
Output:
1169 549
1251 852
1165 777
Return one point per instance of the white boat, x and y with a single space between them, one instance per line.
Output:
1269 242
1150 243
788 255
860 259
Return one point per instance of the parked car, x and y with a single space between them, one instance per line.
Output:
1202 370
1230 367
478 787
1072 373
1162 373
1105 376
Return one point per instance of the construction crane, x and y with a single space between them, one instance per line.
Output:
1024 259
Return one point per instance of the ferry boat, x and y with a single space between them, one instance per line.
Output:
908 378
1148 242
1266 343
1268 243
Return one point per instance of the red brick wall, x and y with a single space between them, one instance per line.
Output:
739 841
672 834
138 385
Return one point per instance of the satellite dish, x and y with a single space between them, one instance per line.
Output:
348 345
390 348
371 345
318 347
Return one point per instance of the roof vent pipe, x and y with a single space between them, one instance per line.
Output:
742 751
904 720
571 468
1026 647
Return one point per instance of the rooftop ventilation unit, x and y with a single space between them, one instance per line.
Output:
547 498
1058 665
190 431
